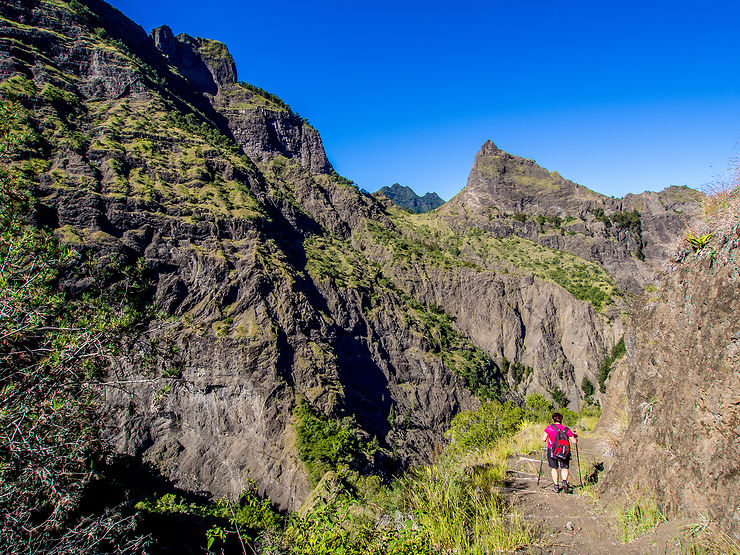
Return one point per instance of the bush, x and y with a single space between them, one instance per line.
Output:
605 366
481 428
539 408
325 444
558 395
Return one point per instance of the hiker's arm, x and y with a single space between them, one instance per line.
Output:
544 438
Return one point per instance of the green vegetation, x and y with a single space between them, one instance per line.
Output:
481 428
419 240
452 505
276 101
481 375
213 49
406 250
242 520
519 372
605 366
588 390
641 514
53 348
629 220
138 148
698 241
328 444
332 258
558 395
584 280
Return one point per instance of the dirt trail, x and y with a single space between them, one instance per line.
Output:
574 523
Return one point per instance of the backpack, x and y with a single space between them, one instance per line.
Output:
561 447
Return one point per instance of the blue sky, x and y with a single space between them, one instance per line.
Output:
620 97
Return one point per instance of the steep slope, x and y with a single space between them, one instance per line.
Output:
509 195
674 403
128 158
406 198
276 281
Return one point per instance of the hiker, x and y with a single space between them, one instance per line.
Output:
558 451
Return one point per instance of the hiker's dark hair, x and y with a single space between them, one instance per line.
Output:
557 417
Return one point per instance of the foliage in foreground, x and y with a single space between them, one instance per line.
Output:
52 347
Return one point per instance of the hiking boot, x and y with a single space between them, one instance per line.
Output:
556 488
566 487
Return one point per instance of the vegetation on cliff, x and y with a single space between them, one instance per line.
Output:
277 280
408 200
54 348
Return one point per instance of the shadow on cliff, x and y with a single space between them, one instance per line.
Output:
124 482
367 396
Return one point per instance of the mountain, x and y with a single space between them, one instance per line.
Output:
630 237
406 198
285 309
224 197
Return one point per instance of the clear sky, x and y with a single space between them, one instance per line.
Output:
618 96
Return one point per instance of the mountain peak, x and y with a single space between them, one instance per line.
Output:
512 184
405 197
204 62
489 147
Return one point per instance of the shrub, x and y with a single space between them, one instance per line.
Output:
539 408
559 396
588 389
605 366
481 428
326 444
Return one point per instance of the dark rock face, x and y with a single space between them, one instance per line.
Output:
674 403
407 199
206 63
265 129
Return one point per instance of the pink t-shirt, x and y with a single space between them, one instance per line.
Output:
552 433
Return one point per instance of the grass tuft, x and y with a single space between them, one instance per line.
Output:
639 515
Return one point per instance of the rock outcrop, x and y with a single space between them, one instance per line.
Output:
206 63
674 402
509 195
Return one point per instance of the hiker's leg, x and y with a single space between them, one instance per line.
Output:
554 473
564 472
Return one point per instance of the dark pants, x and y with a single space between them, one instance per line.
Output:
557 463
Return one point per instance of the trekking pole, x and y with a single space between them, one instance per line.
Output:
578 459
542 458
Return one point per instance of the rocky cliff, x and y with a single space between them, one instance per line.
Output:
674 402
275 281
509 195
259 304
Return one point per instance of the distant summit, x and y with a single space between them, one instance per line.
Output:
406 198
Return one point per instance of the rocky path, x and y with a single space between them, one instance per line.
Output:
574 523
